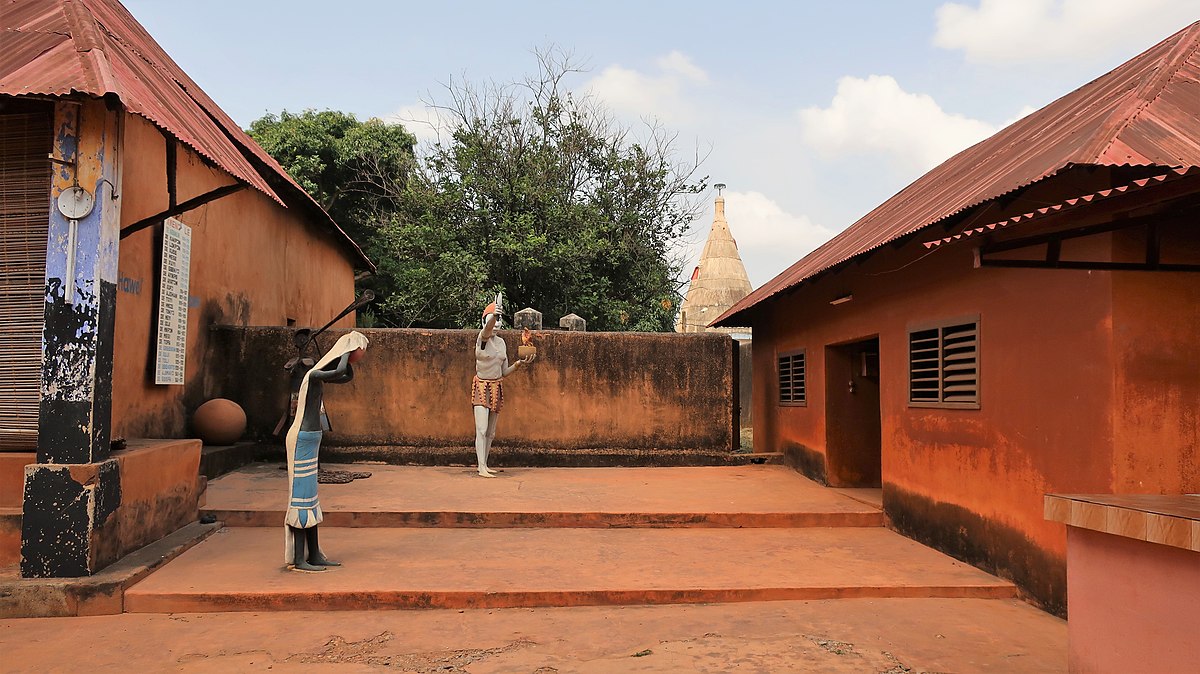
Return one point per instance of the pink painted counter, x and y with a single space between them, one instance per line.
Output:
1133 581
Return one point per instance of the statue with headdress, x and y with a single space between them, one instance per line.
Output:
487 389
302 551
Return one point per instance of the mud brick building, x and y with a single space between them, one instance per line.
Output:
120 181
1023 319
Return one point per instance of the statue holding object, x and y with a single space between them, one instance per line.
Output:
487 391
303 443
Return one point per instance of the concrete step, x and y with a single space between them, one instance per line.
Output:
406 496
216 460
761 458
543 457
99 594
241 569
220 460
506 519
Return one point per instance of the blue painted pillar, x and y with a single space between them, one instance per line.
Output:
75 485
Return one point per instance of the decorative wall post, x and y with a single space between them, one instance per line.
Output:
75 486
528 318
573 323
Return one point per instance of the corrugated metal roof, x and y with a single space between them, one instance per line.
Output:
96 47
1145 112
1069 204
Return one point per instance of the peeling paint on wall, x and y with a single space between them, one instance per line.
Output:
77 337
60 518
68 344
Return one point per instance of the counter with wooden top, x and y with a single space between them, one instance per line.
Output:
1133 581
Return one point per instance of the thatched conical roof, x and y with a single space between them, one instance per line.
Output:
718 281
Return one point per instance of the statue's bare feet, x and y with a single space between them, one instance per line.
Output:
482 473
305 567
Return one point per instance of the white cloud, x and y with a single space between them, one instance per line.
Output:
769 238
428 124
662 95
762 223
1014 31
678 62
875 116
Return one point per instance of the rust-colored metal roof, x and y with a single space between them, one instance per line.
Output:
96 48
1145 112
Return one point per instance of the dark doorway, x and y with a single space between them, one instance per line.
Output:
852 427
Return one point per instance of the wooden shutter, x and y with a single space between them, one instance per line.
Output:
25 142
960 357
792 385
924 355
943 365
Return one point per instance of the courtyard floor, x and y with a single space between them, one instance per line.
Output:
749 568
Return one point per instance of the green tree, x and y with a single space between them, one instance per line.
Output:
351 168
535 191
539 192
356 170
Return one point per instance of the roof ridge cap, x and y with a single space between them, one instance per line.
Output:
82 25
133 49
1145 96
89 40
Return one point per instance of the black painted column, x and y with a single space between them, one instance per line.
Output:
75 486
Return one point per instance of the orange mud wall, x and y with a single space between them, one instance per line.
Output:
253 262
585 390
967 481
1156 341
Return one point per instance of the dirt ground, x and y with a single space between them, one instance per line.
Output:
895 636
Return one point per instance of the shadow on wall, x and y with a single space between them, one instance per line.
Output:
586 390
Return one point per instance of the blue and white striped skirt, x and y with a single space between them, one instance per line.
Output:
304 510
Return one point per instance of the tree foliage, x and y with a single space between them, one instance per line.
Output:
353 169
534 190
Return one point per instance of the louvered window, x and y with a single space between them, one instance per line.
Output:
25 140
943 365
792 381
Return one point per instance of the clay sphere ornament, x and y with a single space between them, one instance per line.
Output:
302 551
219 422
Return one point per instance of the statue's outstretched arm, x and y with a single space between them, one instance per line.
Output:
341 374
509 369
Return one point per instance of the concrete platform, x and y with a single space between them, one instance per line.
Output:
99 594
407 496
544 457
217 460
241 569
966 636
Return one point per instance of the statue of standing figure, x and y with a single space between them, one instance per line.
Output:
303 443
487 391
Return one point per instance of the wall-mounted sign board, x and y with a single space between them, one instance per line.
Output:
171 355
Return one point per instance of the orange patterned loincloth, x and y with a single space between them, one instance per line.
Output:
487 393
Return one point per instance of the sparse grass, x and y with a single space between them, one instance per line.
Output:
747 440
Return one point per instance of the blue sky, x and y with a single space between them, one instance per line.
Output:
812 113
